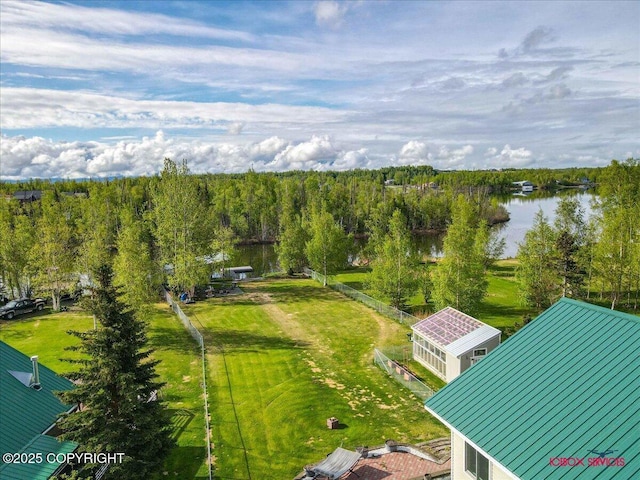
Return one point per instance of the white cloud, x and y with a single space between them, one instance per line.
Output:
414 151
508 157
444 157
516 80
536 38
235 128
38 157
321 99
36 108
329 13
107 21
317 151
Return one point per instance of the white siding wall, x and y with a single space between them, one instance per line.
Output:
465 359
457 458
453 367
457 462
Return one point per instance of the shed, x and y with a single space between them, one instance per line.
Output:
29 409
560 399
448 342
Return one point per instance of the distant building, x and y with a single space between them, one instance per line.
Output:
389 182
448 342
558 400
525 186
28 413
27 195
239 273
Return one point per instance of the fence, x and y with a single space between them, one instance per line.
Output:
401 375
386 310
195 333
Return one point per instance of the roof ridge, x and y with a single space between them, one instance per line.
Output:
598 308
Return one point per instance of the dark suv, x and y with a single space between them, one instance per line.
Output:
21 306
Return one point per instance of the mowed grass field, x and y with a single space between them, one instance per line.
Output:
501 307
285 356
46 335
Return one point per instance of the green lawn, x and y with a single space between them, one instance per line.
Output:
181 368
45 335
288 355
500 308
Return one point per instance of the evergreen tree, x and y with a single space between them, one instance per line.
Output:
116 388
460 280
394 274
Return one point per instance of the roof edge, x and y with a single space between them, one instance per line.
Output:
508 472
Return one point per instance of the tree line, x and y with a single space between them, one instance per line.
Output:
593 259
178 217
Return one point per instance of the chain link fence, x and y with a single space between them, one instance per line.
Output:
400 374
195 333
380 307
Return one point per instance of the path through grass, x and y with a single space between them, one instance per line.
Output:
288 355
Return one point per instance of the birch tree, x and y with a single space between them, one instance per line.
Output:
394 273
53 255
327 249
537 276
460 279
181 227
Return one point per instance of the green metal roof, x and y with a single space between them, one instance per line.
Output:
39 470
566 384
25 412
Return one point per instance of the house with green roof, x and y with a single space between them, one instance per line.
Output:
29 409
560 399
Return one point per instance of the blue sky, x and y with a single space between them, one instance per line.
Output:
111 88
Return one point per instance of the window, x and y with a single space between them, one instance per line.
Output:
478 355
476 464
430 355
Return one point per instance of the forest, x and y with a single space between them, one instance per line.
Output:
169 227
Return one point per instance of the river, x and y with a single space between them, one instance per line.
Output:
521 211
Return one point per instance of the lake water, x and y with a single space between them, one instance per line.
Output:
521 211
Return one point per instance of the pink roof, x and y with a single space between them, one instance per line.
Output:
447 326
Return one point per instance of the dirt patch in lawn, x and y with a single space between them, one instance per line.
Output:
285 321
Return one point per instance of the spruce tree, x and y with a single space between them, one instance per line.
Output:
116 387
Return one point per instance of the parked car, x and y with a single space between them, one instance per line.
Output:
21 306
75 295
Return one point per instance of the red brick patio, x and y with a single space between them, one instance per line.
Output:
394 466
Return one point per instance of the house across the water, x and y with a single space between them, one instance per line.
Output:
524 186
